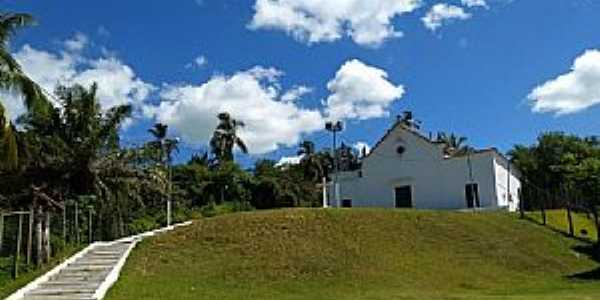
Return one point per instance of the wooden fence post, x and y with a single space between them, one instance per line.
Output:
38 237
30 236
90 237
64 224
77 223
47 236
1 231
18 250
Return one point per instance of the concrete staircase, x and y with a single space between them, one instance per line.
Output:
88 274
81 278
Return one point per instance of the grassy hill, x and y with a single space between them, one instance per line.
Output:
358 254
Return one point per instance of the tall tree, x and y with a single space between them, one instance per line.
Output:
8 144
311 163
225 138
12 76
162 146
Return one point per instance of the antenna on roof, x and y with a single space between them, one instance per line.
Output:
407 119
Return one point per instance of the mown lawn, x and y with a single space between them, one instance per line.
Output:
357 254
557 219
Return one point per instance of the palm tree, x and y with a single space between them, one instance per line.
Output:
453 144
12 77
9 158
311 163
11 73
225 138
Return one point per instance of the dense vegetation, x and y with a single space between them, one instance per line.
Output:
358 254
561 171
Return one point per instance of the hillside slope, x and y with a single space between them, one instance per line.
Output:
357 254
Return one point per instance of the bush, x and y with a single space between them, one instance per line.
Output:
143 224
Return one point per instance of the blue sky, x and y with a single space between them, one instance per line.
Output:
475 74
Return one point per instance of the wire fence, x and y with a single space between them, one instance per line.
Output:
562 208
31 238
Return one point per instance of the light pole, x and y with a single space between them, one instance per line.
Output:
335 128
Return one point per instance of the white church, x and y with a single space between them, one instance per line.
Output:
408 170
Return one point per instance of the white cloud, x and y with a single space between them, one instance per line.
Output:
252 96
368 23
117 82
359 91
572 92
442 13
474 3
359 146
77 42
289 160
199 62
296 93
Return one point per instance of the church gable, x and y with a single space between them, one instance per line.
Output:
403 143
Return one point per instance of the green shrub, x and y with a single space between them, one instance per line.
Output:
143 224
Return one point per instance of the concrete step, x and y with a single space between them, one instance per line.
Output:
88 268
70 284
59 293
78 276
56 297
92 264
62 290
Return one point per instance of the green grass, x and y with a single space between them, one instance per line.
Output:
8 285
357 254
557 219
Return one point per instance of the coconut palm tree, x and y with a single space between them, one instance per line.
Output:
225 138
310 162
12 76
453 144
8 143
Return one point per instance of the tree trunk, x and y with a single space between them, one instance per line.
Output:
570 219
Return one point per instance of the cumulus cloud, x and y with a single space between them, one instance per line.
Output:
117 82
571 92
296 93
360 91
474 3
442 13
253 96
77 42
368 23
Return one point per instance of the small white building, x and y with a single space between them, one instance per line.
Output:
408 170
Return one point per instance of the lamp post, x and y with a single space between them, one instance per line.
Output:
334 128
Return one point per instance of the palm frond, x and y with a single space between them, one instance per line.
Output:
11 22
241 145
